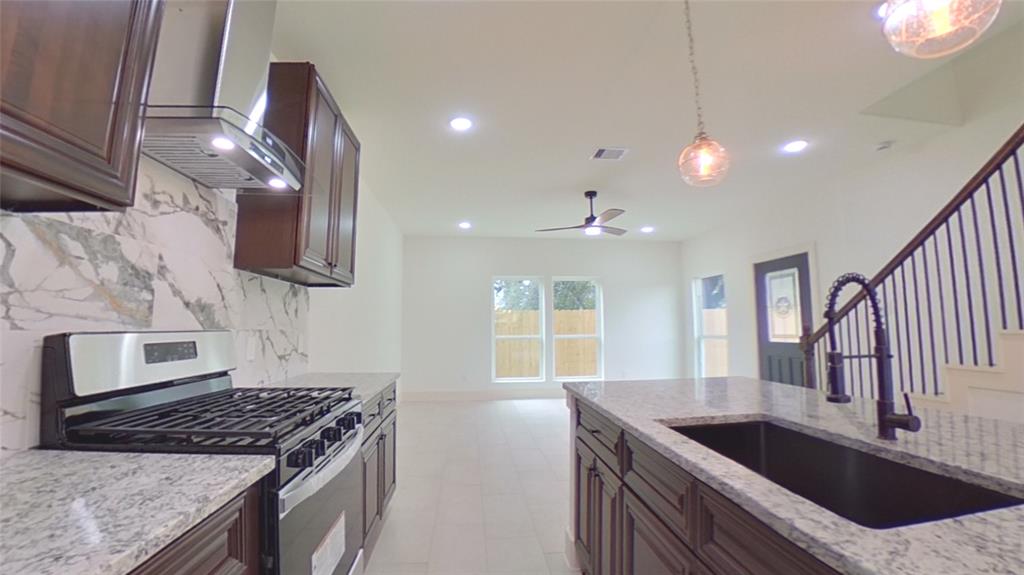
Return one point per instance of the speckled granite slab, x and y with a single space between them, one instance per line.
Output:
86 513
365 384
983 451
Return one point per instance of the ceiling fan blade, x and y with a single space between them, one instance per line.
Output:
612 231
580 227
608 215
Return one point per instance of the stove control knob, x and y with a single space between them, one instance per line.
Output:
332 434
350 420
317 446
301 458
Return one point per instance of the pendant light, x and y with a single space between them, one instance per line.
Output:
936 28
705 162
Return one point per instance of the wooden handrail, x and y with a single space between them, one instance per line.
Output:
965 193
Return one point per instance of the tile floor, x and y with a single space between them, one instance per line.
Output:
483 487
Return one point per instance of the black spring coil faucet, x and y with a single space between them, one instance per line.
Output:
888 420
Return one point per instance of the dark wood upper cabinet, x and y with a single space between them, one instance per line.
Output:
309 237
73 83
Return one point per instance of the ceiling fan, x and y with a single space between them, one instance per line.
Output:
595 225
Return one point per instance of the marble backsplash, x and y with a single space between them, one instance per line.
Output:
165 264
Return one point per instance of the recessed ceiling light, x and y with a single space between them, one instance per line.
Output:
795 147
461 124
647 229
277 183
592 231
465 225
222 143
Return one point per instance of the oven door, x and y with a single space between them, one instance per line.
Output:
320 515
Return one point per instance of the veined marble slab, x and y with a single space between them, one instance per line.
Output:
166 263
92 513
983 451
366 384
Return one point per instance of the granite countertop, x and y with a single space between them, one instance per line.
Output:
366 384
106 513
983 451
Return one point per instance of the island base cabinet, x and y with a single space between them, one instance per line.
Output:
227 542
617 530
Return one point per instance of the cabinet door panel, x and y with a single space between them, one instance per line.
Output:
344 256
320 173
388 480
74 82
583 523
649 547
371 489
607 507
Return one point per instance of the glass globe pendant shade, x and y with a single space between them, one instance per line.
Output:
703 163
936 28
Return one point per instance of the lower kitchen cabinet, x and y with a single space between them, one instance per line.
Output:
661 520
380 462
226 542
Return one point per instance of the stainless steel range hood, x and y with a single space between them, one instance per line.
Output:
207 97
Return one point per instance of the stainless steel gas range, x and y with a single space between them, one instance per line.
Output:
172 392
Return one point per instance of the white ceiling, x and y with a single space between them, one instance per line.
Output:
549 82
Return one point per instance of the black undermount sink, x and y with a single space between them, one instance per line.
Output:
864 488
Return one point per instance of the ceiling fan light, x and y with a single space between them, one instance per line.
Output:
936 28
703 163
592 230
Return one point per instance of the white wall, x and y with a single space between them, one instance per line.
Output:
358 329
447 308
854 221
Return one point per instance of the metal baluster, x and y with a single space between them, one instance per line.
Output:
895 319
981 274
917 316
956 296
860 363
931 321
867 338
906 326
967 282
1009 233
942 299
995 245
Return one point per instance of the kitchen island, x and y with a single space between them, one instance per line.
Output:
984 452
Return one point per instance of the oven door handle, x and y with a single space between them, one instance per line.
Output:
296 492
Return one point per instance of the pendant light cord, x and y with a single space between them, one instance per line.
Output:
693 69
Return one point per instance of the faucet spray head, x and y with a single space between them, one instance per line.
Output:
836 379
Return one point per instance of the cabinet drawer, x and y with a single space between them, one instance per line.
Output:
668 490
600 435
731 541
372 415
388 399
225 542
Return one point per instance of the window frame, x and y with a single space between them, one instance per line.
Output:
599 330
542 322
698 323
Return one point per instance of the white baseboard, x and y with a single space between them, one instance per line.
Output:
480 394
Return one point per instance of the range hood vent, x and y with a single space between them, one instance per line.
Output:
220 148
212 61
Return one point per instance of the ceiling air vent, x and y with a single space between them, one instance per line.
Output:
609 154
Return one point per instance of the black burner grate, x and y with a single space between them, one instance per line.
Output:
250 416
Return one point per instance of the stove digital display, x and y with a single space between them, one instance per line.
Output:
166 351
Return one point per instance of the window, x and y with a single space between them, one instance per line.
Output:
710 326
518 329
576 328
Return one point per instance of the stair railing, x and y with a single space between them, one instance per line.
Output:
947 293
